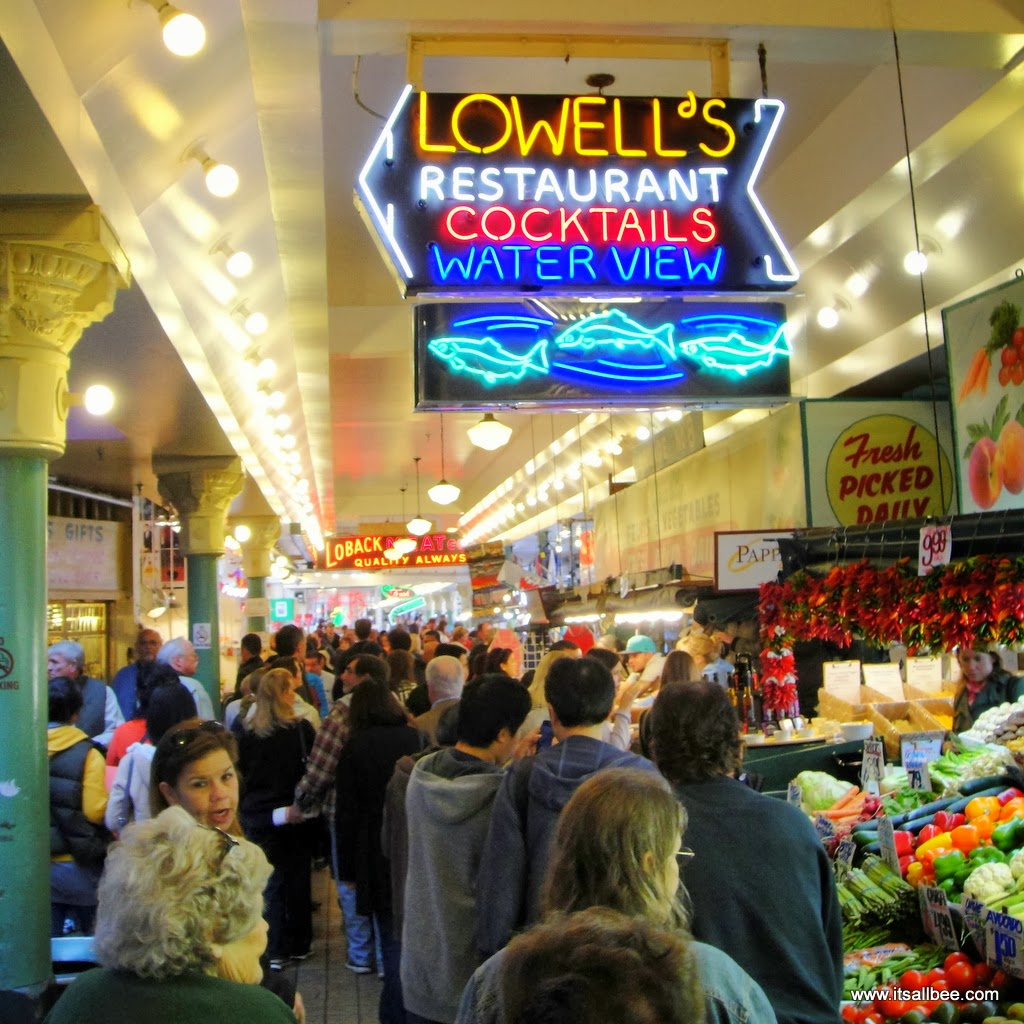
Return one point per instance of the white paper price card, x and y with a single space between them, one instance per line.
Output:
824 827
885 679
872 768
887 844
793 795
915 762
933 548
925 673
927 744
974 918
845 850
1004 943
842 678
936 918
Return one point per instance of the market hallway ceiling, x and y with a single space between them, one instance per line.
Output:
272 94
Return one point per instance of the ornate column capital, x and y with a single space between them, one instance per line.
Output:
60 268
200 488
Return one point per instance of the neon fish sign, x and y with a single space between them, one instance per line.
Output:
505 194
734 355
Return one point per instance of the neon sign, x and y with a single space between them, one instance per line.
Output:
506 194
367 552
578 354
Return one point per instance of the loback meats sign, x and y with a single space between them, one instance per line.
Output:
433 550
569 195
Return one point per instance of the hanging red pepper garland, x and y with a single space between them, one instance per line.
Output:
977 600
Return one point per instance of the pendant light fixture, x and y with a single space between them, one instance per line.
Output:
443 493
489 434
418 525
401 545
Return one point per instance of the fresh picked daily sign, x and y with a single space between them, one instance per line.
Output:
573 195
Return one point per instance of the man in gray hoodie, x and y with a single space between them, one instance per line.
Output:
579 693
448 810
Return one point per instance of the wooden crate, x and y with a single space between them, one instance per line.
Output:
919 715
839 710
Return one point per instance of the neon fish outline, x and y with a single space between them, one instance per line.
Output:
729 350
487 358
613 327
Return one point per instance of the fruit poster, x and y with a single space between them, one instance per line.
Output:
985 352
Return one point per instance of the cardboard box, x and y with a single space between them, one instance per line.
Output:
912 716
831 706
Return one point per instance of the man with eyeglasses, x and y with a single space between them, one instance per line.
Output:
182 657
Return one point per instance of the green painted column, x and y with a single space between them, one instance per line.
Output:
60 267
200 487
24 782
257 590
204 621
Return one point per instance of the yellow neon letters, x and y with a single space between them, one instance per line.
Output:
718 123
658 147
526 142
617 117
484 98
429 147
580 126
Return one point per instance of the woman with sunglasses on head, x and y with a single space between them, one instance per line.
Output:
272 752
195 768
618 845
179 931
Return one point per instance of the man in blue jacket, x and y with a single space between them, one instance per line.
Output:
579 694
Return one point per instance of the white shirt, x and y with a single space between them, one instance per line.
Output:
204 706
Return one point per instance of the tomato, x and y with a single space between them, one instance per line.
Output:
998 980
873 1018
955 958
1008 356
937 979
893 1007
912 980
1018 337
960 975
1004 376
982 975
850 1013
1017 374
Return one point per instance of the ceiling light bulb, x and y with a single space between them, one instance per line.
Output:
489 434
303 484
183 33
915 262
242 533
675 415
828 317
98 400
288 442
443 493
276 400
643 433
239 264
578 543
256 323
558 548
614 448
221 179
531 500
564 532
265 369
405 545
282 421
418 526
392 554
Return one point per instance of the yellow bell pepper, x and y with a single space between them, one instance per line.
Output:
915 873
983 805
944 840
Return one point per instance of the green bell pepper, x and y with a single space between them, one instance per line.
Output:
949 887
987 855
963 874
1005 836
947 866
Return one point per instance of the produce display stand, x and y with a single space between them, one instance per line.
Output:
778 766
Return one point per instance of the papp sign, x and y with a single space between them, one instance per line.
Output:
934 548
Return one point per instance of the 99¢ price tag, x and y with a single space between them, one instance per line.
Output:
934 548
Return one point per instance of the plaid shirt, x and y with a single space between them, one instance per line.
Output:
316 788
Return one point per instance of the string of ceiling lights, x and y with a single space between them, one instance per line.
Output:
184 36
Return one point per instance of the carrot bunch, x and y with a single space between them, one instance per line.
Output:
848 809
976 378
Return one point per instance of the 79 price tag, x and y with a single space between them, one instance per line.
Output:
934 548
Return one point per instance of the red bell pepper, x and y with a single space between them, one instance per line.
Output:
944 821
928 832
1009 794
904 843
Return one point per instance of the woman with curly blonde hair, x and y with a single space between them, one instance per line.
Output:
179 931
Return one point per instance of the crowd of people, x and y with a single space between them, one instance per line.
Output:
504 847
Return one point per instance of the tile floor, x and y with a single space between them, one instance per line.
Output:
333 994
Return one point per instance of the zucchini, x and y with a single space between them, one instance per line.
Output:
871 825
925 811
863 838
975 786
871 848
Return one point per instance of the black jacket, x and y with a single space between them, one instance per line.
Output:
70 830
